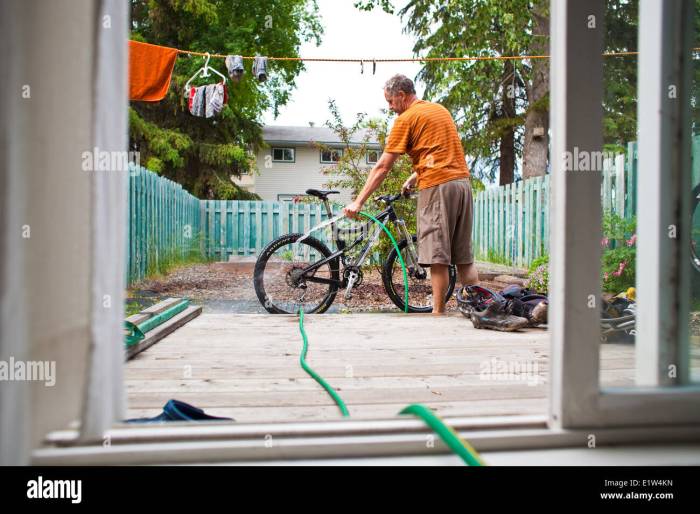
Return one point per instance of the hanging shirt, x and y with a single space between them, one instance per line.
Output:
207 101
150 70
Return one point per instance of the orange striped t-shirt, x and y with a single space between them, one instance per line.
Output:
427 132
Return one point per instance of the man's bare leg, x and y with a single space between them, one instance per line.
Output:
439 278
467 274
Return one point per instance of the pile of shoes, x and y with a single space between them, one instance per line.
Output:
618 318
511 309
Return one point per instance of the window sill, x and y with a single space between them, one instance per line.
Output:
345 439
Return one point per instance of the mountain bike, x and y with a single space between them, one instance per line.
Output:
299 270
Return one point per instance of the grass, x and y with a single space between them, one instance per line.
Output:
131 308
695 304
497 258
163 262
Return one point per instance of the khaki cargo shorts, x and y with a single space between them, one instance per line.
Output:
445 223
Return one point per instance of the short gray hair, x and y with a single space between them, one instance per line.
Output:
400 83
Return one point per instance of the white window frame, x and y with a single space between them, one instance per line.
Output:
654 412
577 399
339 151
291 148
287 197
367 157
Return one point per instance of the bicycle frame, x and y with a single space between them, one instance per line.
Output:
388 215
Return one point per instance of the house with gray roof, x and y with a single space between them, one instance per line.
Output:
292 162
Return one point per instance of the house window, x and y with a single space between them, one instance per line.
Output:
283 155
372 157
331 156
288 198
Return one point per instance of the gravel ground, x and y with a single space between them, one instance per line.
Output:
228 287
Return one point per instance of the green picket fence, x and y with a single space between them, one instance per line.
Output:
164 224
511 222
243 228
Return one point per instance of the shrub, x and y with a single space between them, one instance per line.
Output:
538 275
618 265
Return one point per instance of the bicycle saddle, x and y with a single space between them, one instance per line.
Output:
321 193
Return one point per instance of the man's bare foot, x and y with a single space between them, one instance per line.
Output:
439 313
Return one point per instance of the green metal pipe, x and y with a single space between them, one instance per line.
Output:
138 331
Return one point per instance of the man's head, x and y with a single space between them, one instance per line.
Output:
399 92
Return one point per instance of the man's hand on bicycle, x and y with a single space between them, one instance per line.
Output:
352 210
410 183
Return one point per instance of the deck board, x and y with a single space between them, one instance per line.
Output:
246 366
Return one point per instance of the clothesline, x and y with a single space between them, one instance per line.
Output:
151 66
407 59
373 59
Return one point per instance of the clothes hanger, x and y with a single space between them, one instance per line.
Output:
204 71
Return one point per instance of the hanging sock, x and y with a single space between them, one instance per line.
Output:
260 68
234 65
150 70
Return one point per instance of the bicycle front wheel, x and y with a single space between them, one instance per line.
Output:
283 281
420 288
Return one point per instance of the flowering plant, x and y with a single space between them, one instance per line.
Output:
538 276
619 253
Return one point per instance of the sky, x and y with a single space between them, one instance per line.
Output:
348 33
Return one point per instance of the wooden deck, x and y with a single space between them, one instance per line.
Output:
246 366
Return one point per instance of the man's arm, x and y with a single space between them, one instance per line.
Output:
374 180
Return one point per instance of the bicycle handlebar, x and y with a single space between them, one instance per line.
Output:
388 199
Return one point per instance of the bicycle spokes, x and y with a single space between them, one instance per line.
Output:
420 289
289 284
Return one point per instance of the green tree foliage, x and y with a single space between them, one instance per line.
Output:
473 91
488 99
351 170
202 154
620 75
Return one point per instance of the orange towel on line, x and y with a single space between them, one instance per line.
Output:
150 69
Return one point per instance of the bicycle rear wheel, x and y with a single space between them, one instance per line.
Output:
420 289
282 285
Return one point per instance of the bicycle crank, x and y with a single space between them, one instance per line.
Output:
353 277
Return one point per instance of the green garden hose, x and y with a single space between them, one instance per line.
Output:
451 438
312 373
398 252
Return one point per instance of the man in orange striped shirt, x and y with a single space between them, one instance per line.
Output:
427 133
